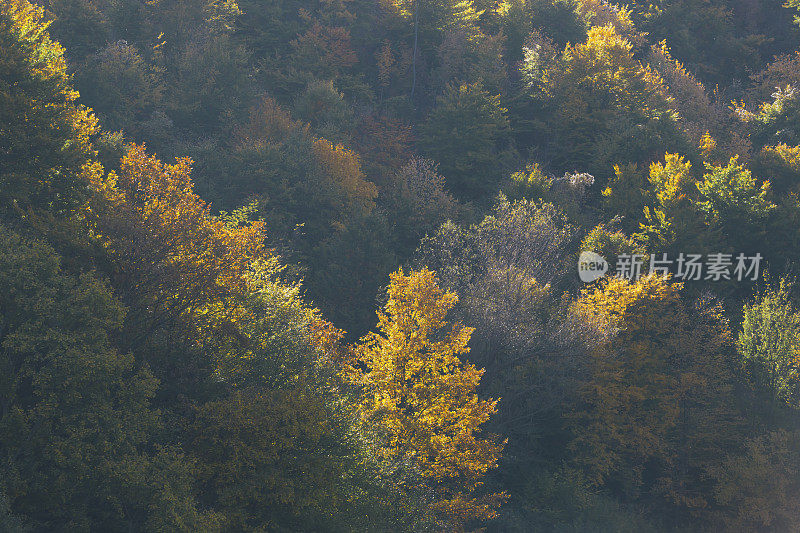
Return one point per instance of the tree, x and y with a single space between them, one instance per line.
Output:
774 121
79 25
468 134
758 488
673 222
781 163
208 83
709 38
610 242
311 194
279 446
123 89
735 203
325 109
45 141
240 366
603 13
626 195
425 25
174 257
280 459
602 106
76 426
269 27
424 396
302 179
769 345
700 115
174 264
8 521
385 144
657 415
323 52
782 71
511 271
419 202
464 59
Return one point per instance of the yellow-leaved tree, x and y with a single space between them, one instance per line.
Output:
424 396
605 107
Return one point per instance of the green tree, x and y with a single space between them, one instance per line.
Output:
425 25
602 106
124 89
673 222
318 203
735 203
768 347
80 25
76 427
710 38
626 195
45 140
775 121
278 447
468 134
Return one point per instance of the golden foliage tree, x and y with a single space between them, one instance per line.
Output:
424 395
672 219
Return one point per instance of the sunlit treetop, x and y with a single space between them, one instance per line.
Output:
45 138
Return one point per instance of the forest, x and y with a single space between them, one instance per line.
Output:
399 265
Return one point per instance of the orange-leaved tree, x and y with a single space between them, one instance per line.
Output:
424 396
173 258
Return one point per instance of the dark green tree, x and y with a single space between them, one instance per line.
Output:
468 134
